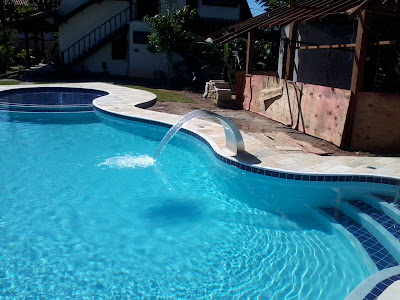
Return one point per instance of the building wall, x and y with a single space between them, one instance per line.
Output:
327 67
87 20
69 5
143 63
140 62
211 11
94 63
316 110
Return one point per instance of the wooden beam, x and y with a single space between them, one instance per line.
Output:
339 46
290 52
250 52
353 11
328 10
357 78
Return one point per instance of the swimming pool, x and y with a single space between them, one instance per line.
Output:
49 99
85 213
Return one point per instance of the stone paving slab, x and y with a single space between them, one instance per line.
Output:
126 101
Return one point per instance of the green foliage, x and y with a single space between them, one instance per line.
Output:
16 12
20 57
8 55
7 50
170 34
272 4
235 54
164 95
10 82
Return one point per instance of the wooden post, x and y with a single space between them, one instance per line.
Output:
27 54
2 12
290 52
131 18
42 45
35 42
250 52
357 78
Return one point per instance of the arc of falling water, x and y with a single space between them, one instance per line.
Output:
234 139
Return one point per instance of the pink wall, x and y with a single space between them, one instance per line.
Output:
316 110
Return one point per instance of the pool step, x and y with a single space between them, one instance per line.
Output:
376 250
387 198
385 204
360 250
387 239
379 216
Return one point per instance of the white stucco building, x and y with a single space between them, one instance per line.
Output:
109 36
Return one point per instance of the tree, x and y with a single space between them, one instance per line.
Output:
7 49
170 35
272 4
8 55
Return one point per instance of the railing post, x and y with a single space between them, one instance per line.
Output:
130 10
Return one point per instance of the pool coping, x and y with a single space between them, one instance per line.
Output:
373 286
129 104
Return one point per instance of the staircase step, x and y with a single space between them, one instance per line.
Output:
378 253
388 223
381 205
391 243
360 250
388 199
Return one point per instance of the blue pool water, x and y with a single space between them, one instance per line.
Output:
86 214
48 99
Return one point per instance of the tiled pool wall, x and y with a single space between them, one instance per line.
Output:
382 262
265 171
50 97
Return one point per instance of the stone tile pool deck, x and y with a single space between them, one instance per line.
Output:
127 103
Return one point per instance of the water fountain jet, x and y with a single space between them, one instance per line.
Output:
234 139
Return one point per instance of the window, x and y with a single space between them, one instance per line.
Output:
226 3
119 47
140 37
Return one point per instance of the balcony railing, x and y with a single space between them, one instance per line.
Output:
96 37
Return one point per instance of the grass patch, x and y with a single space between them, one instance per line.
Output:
164 95
9 82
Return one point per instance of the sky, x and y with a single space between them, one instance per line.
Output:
255 8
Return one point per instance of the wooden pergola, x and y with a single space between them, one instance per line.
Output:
308 11
36 23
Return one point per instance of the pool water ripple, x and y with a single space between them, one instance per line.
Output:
74 229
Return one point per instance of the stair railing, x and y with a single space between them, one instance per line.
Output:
397 197
95 37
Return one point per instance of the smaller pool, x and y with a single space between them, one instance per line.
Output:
49 99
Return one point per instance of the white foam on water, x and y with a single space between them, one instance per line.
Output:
128 161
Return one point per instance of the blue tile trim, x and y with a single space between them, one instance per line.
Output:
380 287
262 171
46 110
